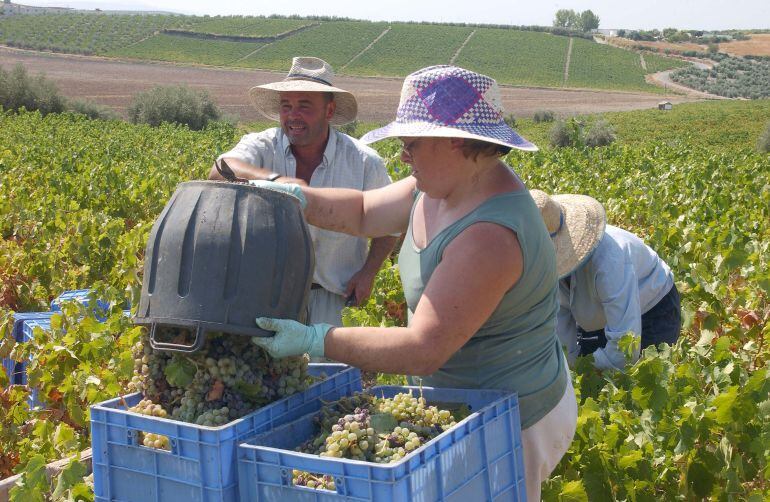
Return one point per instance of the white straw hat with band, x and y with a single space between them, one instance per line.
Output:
576 224
451 102
307 74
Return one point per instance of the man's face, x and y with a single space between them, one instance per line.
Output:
305 116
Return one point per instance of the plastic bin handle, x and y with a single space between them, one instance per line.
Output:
177 347
339 481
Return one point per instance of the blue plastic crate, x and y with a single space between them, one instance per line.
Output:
82 296
201 466
28 324
12 368
481 458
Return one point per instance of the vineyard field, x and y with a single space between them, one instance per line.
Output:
249 26
177 48
409 47
515 57
596 65
84 33
335 42
691 125
691 422
519 58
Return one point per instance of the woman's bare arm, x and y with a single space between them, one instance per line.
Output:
373 213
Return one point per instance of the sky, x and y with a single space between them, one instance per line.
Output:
641 14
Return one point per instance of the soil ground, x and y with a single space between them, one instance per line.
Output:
114 83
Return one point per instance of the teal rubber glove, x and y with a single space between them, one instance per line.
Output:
291 337
288 188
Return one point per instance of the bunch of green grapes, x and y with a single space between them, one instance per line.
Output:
226 379
414 411
147 407
347 430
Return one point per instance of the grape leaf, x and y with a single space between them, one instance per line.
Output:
180 371
71 475
383 423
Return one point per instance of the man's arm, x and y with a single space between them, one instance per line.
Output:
244 170
362 281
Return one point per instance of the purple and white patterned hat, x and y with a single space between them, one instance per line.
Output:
450 102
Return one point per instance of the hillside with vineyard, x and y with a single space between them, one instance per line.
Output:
513 55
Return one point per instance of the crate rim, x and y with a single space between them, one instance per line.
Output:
104 407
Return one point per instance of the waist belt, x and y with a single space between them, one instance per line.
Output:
315 285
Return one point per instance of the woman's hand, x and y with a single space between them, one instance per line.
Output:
292 189
291 337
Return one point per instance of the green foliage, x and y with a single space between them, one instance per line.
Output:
19 90
543 116
566 18
588 21
595 65
335 42
84 33
249 26
93 110
386 305
173 104
349 129
178 48
733 77
763 143
80 361
600 133
78 198
567 133
582 21
520 58
409 47
691 420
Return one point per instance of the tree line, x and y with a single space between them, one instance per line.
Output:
580 21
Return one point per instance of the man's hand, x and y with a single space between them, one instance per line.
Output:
291 337
360 285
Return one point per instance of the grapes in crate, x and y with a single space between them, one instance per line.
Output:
372 429
226 379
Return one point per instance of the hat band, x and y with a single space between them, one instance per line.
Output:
561 224
300 76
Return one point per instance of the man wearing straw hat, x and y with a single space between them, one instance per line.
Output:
307 151
611 283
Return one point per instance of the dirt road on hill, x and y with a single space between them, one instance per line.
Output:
114 83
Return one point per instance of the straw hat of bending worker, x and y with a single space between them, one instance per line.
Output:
307 74
576 225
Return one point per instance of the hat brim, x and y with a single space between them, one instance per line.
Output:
497 134
265 99
581 232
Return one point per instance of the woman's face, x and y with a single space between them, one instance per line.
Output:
430 162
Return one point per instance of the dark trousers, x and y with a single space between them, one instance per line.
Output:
661 324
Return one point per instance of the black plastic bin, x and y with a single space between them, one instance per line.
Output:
221 254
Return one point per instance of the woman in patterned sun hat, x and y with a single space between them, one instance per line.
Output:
477 264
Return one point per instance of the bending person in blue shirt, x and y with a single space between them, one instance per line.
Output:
611 283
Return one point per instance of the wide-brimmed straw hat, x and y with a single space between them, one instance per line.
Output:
576 224
307 74
451 102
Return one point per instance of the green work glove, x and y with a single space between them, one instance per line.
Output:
291 337
288 188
